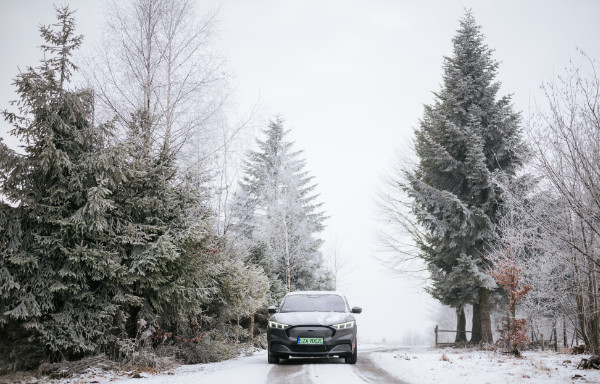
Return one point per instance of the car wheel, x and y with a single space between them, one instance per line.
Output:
353 358
273 359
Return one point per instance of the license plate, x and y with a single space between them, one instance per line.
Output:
310 340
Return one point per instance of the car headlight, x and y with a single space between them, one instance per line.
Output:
274 324
348 324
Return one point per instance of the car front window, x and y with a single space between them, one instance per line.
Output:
313 303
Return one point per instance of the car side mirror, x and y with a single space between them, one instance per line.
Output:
356 309
272 309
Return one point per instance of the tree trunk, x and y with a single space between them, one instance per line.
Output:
252 328
461 324
564 321
482 322
512 317
485 316
287 251
476 327
131 326
580 306
594 327
148 82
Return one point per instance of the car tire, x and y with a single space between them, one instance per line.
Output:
352 358
272 359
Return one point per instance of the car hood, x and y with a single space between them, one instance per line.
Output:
312 318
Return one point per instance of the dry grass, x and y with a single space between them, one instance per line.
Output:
18 377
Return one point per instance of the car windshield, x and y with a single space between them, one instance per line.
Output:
313 303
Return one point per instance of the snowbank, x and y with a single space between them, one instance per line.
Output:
434 365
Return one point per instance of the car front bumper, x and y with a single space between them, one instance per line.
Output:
284 342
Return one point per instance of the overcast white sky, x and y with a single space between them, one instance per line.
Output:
350 77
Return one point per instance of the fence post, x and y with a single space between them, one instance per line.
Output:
436 335
542 335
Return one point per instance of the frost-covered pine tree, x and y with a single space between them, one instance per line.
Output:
59 280
276 212
92 230
157 211
466 138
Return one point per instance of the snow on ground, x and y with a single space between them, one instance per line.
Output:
427 365
415 365
250 369
332 374
244 369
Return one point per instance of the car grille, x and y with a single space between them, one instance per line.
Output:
304 331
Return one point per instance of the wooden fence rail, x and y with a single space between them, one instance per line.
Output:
437 331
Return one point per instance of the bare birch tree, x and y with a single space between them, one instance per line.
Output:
156 56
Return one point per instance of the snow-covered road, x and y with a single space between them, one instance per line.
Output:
254 369
306 371
381 364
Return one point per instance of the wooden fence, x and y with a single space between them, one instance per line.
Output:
535 341
438 331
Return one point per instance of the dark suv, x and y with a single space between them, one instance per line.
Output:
312 323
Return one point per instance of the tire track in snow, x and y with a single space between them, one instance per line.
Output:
318 370
290 371
370 372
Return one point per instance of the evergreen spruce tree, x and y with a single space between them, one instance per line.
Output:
466 138
158 212
92 231
58 278
275 209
